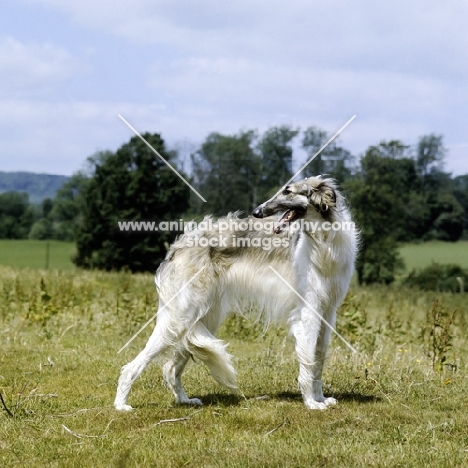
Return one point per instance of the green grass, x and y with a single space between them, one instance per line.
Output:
32 254
394 409
422 255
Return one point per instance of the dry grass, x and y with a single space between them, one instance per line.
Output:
59 366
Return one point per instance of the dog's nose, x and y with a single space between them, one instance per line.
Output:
258 212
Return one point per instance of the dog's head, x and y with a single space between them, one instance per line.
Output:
298 200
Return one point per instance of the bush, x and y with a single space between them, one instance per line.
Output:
437 277
42 229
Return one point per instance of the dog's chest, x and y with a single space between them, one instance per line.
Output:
314 257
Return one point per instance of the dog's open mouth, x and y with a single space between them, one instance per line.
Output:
287 218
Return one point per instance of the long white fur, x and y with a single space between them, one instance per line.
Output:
318 265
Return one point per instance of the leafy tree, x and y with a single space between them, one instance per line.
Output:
69 205
47 205
461 183
445 204
460 192
418 217
227 171
333 160
16 216
399 196
277 159
451 219
430 154
379 197
133 184
390 174
394 149
43 228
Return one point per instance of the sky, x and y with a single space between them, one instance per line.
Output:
186 68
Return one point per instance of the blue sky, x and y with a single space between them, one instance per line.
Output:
185 68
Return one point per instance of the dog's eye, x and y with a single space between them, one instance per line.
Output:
286 191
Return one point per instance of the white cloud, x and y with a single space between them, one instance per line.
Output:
57 137
213 66
249 90
422 36
35 68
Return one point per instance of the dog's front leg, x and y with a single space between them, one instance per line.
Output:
312 338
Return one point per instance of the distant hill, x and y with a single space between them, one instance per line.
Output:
37 186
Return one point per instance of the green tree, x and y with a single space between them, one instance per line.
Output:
379 197
16 216
43 228
446 211
133 184
430 154
460 192
276 159
227 170
69 205
334 160
451 219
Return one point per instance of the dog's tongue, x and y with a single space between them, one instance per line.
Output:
286 218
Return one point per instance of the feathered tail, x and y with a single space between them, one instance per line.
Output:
212 352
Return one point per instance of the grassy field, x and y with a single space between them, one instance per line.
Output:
33 254
59 336
421 255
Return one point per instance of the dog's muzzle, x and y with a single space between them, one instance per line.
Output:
258 212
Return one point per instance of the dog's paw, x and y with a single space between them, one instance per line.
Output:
192 401
185 400
123 407
330 401
312 403
315 405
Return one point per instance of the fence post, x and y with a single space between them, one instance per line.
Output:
47 255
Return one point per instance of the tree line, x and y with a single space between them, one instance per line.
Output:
397 193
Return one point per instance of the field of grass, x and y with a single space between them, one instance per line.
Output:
59 337
421 255
33 254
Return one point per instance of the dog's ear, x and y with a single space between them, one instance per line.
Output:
322 197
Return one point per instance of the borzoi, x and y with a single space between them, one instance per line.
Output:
296 268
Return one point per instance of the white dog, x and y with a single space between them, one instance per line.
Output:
296 268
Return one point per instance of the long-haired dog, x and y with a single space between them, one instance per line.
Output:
296 267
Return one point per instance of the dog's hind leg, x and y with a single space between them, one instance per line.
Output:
200 343
172 371
159 341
